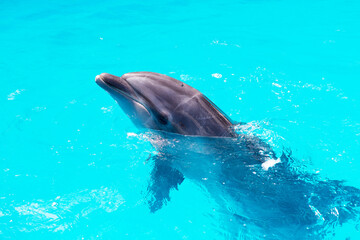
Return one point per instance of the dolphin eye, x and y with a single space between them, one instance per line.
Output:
162 119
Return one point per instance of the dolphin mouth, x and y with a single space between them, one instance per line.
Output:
116 85
108 81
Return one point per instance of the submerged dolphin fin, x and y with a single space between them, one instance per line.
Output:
163 178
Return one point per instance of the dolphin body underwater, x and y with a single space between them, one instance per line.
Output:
239 171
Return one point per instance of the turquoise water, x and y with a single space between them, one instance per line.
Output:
73 166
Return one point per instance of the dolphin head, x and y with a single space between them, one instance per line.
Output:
159 102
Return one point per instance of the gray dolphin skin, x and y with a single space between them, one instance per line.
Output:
159 102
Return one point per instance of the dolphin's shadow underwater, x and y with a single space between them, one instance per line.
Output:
197 141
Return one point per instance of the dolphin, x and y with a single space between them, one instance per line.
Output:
238 170
164 104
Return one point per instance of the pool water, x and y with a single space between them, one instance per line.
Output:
73 166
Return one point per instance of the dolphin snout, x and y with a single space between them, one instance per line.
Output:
101 77
105 79
113 83
101 80
97 78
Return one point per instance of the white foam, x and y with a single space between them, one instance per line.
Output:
270 163
216 75
12 96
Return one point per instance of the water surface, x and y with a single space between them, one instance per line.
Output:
73 166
